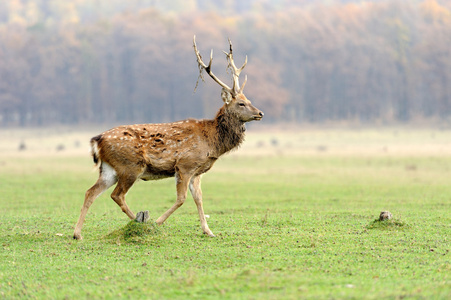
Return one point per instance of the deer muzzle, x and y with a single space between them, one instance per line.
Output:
259 116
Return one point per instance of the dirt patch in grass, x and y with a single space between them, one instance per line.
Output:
135 233
387 224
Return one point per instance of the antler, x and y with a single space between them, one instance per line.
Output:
207 69
235 90
235 71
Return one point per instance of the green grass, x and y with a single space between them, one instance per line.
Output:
288 227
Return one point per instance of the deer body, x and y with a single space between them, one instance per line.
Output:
159 150
184 150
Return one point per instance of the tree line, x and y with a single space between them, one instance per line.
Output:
105 61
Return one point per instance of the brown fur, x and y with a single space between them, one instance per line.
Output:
184 149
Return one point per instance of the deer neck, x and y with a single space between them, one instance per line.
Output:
229 131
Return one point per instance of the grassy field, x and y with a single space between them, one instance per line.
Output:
294 215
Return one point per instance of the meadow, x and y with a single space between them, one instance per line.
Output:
294 215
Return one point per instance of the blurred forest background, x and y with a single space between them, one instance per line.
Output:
114 61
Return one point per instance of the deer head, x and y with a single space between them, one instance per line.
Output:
235 102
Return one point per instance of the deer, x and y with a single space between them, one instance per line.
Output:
185 149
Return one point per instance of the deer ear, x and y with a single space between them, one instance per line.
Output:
226 96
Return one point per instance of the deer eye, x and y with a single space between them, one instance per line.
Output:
241 104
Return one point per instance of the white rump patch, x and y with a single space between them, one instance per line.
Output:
109 175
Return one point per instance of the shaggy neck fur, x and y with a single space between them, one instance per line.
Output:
230 131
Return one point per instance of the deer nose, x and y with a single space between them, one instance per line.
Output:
261 114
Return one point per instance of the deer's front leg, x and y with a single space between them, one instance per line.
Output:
196 191
182 181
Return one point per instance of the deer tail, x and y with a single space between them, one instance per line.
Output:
95 148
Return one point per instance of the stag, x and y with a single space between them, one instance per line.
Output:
184 150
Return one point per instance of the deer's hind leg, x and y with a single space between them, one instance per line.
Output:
123 185
107 178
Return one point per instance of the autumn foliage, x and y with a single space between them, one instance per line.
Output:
111 61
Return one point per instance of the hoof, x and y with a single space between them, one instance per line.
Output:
78 237
210 234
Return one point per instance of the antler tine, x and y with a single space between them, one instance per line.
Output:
235 71
230 43
244 83
245 63
203 66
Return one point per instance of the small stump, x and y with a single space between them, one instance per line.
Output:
385 215
142 216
